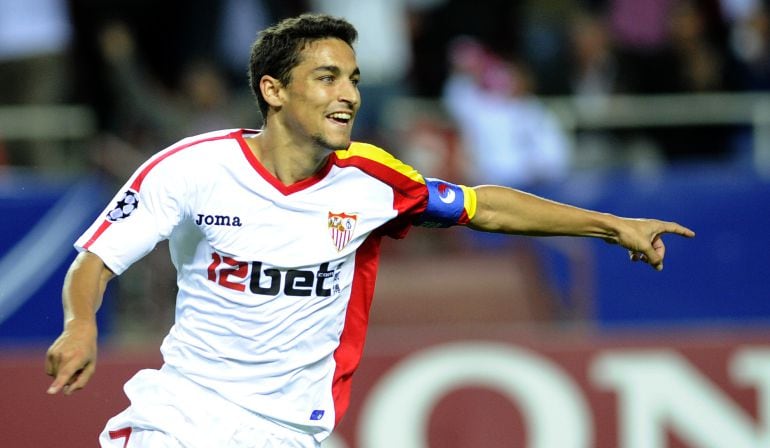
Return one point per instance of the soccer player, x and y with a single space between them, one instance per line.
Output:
275 235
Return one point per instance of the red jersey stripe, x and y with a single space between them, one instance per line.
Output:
97 234
136 184
348 354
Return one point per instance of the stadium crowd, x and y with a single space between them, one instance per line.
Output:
154 71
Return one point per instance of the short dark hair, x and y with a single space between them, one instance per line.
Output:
277 48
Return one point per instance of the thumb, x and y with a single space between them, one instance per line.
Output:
655 253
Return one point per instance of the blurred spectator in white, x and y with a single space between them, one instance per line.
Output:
510 137
238 23
735 11
35 38
383 45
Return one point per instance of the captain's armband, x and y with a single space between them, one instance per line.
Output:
448 204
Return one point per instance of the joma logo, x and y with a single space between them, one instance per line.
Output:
218 220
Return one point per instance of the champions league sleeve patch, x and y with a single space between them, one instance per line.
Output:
126 205
446 204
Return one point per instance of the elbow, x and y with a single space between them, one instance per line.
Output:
486 221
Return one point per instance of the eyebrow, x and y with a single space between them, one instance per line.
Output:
335 70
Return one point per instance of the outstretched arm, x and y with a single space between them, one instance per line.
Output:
506 210
71 359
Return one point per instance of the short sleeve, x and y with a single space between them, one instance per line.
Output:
143 212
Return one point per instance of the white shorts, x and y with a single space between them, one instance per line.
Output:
169 411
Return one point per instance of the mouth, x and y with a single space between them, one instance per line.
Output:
340 118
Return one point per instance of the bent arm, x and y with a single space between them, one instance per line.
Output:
506 210
71 358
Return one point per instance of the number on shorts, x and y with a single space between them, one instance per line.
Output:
120 433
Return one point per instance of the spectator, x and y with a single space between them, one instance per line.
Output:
594 74
594 67
520 143
435 26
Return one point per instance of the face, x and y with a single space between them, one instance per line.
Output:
321 100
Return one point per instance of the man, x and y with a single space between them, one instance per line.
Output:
275 236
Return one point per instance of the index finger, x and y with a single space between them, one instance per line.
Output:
672 227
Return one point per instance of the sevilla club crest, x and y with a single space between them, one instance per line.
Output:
341 227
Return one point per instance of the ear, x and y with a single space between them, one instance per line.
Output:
271 89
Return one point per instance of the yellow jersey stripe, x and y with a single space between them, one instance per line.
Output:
379 155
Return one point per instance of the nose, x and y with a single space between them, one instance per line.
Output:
349 94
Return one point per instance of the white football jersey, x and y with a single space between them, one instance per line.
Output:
275 282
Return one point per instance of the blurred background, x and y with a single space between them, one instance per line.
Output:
640 108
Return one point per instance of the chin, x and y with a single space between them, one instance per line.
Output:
333 144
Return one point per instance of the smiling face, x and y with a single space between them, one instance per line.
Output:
319 103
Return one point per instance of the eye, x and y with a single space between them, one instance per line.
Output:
355 81
327 79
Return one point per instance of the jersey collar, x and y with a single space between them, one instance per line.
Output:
268 176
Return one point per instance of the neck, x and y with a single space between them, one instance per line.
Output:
287 160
